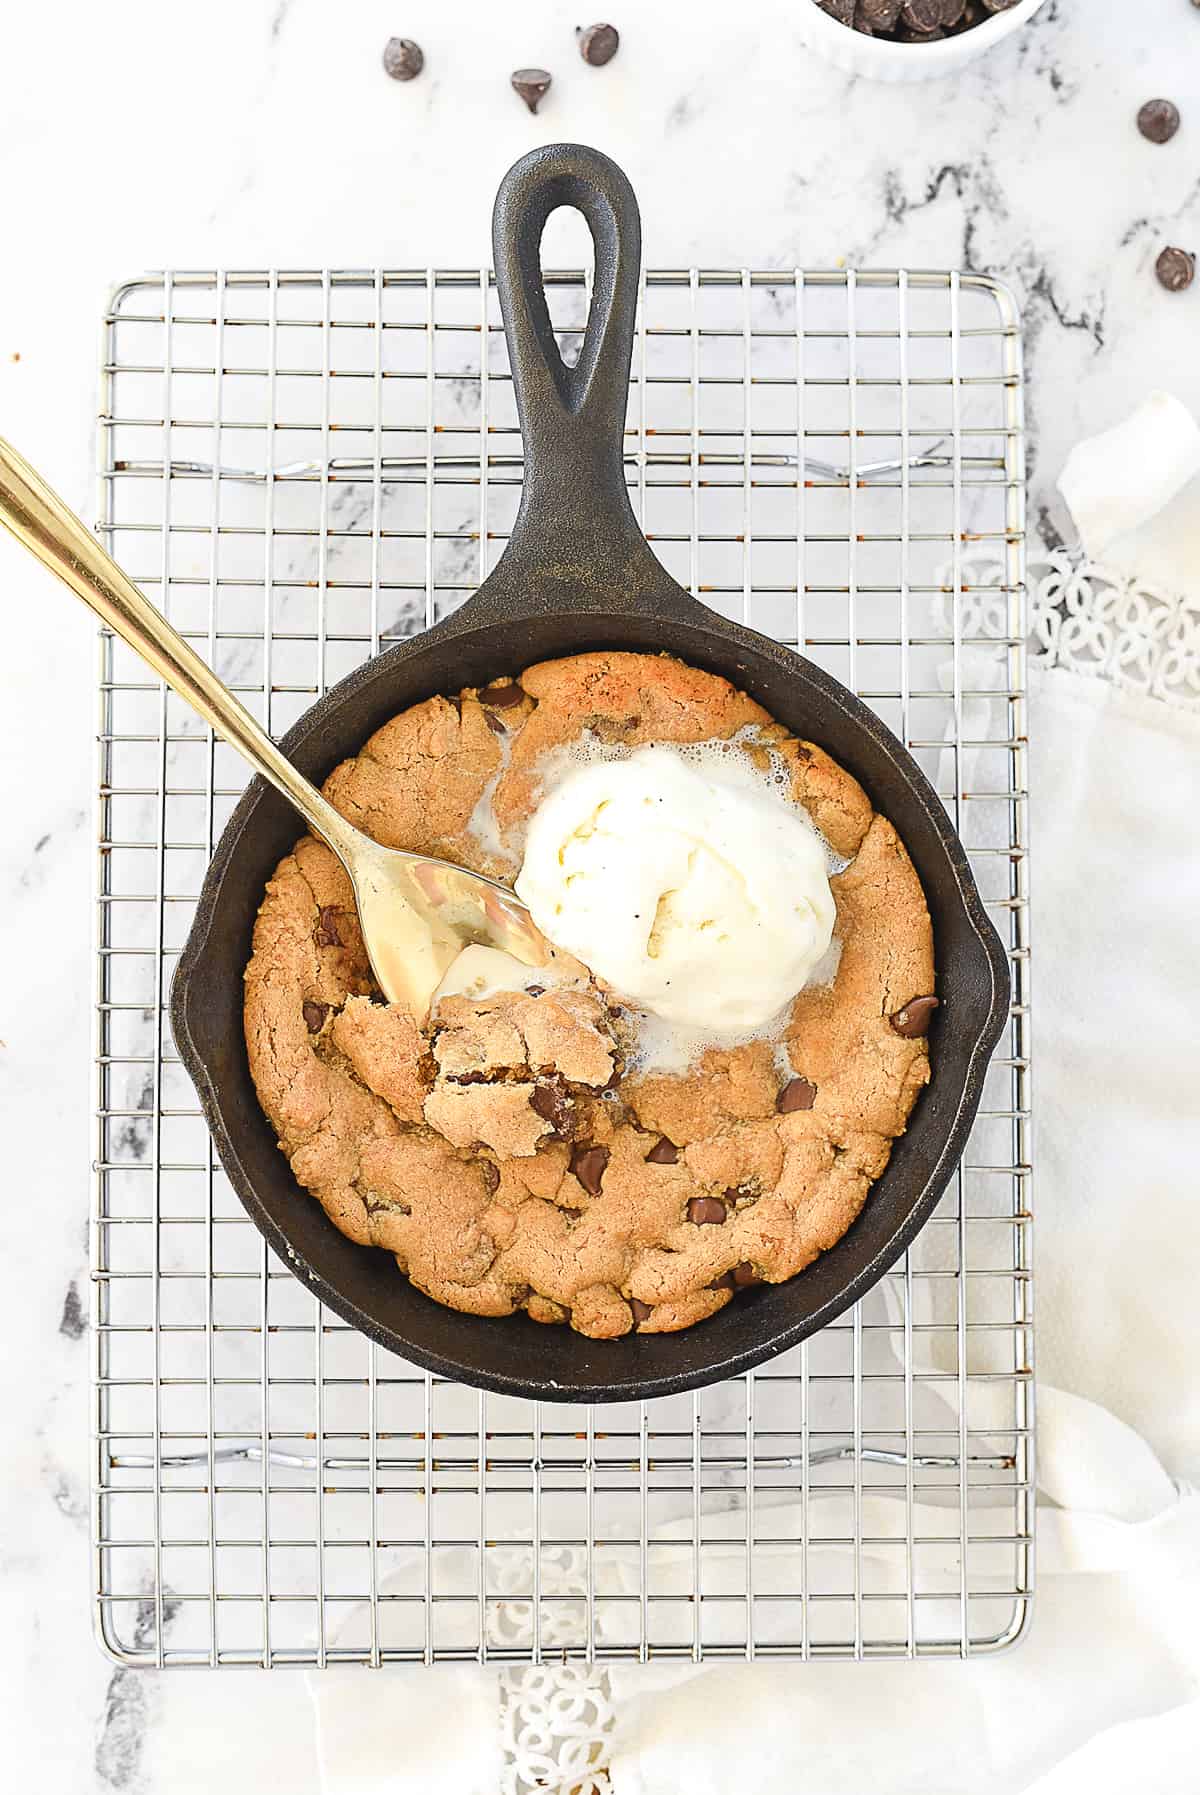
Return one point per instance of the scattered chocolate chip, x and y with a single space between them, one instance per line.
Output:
535 990
706 1211
572 1215
403 59
598 44
1176 269
553 1105
638 1309
796 1094
502 694
914 1018
531 84
1158 120
314 1015
496 724
588 1165
614 1009
663 1153
491 1174
327 929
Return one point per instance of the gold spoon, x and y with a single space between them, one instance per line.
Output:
416 913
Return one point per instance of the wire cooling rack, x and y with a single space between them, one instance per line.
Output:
302 467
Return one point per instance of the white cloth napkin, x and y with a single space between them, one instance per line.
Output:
1116 782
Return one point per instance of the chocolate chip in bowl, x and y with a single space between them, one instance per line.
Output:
909 40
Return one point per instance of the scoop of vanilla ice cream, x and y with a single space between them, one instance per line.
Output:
687 885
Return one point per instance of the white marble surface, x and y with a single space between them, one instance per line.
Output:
248 131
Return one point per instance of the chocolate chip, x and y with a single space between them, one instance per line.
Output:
327 929
553 1105
403 59
740 1278
502 694
496 724
588 1165
913 21
876 15
663 1153
1176 269
706 1211
491 1174
531 84
314 1015
796 1094
598 44
535 990
612 1081
1158 120
924 16
638 1309
914 1018
572 1215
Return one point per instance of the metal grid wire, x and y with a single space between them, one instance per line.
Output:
301 467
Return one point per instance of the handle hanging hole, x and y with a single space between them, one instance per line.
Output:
567 244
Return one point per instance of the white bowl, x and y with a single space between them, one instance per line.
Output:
880 60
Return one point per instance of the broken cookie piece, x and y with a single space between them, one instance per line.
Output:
559 1031
499 1115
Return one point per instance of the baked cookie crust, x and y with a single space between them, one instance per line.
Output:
509 1154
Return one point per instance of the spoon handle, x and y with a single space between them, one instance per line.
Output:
49 529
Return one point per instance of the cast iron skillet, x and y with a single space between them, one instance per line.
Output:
577 574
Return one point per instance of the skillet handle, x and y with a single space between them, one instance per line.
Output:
575 512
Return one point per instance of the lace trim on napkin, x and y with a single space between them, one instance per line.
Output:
555 1730
556 1721
1098 621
